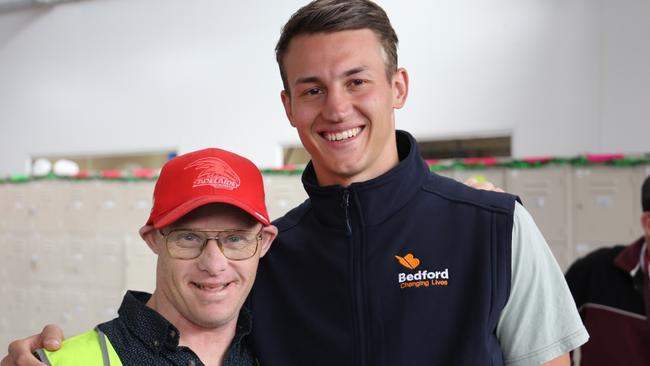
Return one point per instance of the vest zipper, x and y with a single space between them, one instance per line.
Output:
358 289
346 205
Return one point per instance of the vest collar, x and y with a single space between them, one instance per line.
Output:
378 198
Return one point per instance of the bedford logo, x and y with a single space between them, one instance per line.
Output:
214 172
421 278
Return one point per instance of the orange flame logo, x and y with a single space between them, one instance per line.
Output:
408 261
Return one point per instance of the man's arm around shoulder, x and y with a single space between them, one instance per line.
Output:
20 351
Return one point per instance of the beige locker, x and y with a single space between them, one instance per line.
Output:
640 174
75 310
138 200
110 205
79 209
5 276
58 304
19 210
47 256
603 209
103 305
20 258
562 252
140 264
544 193
7 312
108 262
45 203
17 313
78 262
5 207
283 192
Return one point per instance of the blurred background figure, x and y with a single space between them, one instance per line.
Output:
611 287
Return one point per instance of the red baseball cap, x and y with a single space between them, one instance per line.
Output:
207 176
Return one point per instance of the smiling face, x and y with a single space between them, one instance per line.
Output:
342 104
206 292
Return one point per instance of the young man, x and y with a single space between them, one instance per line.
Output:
209 227
611 287
387 263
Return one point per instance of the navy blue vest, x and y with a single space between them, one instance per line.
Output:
409 268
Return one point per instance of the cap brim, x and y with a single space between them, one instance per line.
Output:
182 210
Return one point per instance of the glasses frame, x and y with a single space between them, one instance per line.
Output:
258 237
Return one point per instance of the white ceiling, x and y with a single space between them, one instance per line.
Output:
15 5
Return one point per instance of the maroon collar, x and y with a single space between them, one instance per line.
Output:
628 259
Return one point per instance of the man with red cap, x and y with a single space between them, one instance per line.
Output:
209 227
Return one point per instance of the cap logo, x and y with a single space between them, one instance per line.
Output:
214 172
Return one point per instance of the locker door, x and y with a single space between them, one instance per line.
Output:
544 194
283 192
603 207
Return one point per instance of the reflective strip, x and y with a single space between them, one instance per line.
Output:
102 344
41 354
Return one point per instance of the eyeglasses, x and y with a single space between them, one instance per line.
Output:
235 245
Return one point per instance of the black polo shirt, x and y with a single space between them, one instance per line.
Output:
141 336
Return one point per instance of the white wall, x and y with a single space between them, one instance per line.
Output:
118 76
528 67
625 86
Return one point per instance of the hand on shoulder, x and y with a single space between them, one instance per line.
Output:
20 351
481 184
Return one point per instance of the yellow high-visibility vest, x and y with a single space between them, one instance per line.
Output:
90 348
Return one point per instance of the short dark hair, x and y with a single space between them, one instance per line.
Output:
329 16
645 195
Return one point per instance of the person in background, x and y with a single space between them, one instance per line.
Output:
387 263
209 227
611 289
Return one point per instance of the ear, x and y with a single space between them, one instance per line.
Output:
269 233
645 224
400 85
286 102
150 236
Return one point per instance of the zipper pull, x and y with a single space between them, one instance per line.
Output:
346 204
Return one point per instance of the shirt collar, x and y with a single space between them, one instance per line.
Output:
156 331
629 259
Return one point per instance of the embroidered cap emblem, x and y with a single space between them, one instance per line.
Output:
214 172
